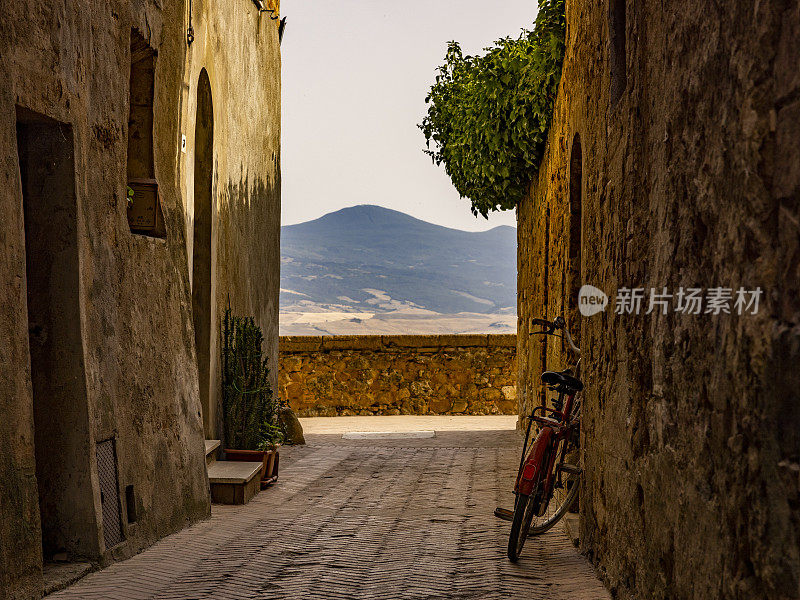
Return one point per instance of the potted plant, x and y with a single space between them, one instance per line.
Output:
272 437
250 411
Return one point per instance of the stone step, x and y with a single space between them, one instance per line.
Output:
59 575
211 451
234 482
572 527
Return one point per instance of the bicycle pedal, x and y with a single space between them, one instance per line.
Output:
504 513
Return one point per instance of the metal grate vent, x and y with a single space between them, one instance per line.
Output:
109 493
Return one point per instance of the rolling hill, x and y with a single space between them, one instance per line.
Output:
367 262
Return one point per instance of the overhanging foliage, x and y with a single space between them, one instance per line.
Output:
488 116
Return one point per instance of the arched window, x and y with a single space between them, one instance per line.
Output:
617 57
144 204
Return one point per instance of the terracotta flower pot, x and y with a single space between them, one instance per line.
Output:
272 459
269 458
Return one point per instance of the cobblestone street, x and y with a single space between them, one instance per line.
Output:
363 518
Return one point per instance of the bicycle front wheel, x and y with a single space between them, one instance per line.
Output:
523 515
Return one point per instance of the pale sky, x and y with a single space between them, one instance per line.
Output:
355 76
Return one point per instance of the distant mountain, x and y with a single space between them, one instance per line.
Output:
373 259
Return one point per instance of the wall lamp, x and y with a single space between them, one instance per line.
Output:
261 5
281 27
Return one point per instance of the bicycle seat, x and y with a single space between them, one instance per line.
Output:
563 378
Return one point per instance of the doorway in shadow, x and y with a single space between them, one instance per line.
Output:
575 258
60 407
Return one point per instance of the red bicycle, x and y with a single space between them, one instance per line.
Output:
549 477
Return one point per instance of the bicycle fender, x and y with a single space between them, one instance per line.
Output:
533 464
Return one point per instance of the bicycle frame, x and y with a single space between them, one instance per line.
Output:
553 432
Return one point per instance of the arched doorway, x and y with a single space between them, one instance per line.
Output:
201 242
575 234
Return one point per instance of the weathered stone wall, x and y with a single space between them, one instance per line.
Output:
689 436
239 50
398 374
69 63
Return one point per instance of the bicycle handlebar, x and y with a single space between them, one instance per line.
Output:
551 326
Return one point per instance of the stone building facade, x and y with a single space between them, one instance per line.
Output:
109 310
345 375
674 161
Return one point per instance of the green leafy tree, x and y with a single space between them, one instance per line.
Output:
488 116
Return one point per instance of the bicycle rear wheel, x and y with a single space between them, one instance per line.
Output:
563 497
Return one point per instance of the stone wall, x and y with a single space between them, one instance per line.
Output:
690 178
116 305
399 374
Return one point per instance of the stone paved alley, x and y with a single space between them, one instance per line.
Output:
365 518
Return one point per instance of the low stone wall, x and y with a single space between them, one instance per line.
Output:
347 375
